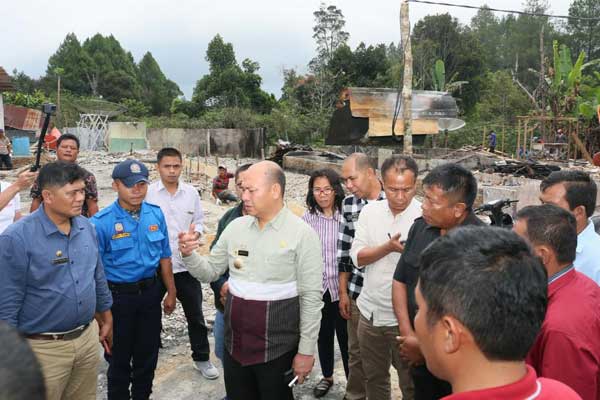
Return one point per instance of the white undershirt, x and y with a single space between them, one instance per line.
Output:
7 214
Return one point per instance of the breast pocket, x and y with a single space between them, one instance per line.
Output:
155 242
282 264
122 250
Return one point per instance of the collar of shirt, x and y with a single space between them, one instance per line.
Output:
586 235
161 187
121 212
526 388
335 216
276 223
50 227
560 279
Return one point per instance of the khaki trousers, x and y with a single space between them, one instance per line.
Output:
355 388
379 350
70 366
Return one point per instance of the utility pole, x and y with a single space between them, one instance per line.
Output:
408 76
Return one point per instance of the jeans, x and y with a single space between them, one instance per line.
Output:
219 333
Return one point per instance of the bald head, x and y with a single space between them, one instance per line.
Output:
360 161
268 173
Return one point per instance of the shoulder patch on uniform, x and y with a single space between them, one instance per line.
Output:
153 228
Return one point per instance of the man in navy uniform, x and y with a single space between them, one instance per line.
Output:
134 245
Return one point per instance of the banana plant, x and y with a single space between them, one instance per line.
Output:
439 79
565 79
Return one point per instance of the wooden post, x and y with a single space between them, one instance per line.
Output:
408 77
503 136
526 136
483 136
518 153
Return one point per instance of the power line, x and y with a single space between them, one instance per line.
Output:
505 11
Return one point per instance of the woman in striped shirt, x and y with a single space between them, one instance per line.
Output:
324 200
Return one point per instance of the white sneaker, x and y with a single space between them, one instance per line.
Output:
207 369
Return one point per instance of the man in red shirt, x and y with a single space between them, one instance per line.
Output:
220 190
568 346
481 300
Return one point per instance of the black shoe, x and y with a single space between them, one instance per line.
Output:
322 388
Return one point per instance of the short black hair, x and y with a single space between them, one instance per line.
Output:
455 181
60 173
67 136
552 226
490 280
399 163
168 152
20 373
581 190
336 184
240 169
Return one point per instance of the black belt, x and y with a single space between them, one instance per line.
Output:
133 287
59 336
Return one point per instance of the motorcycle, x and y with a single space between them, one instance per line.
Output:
495 212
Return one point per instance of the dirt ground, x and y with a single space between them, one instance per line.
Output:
175 378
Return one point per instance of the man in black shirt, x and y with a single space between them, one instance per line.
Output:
450 191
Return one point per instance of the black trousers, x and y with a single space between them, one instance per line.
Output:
260 381
136 337
189 294
6 160
332 324
427 386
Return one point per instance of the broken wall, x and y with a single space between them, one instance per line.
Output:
221 142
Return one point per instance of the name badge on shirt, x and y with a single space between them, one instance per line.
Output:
58 261
243 253
121 235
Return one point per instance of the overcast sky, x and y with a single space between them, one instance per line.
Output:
277 34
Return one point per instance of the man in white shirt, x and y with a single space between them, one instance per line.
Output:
378 243
576 191
10 201
180 204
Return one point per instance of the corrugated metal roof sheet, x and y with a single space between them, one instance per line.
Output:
23 118
5 82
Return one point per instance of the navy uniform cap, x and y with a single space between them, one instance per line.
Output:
130 172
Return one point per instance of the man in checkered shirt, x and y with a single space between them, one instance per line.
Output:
361 180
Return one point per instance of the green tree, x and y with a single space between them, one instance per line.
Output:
228 84
157 92
74 62
112 71
501 100
488 31
585 34
23 82
328 32
443 37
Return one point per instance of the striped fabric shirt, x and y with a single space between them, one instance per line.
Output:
351 208
327 229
